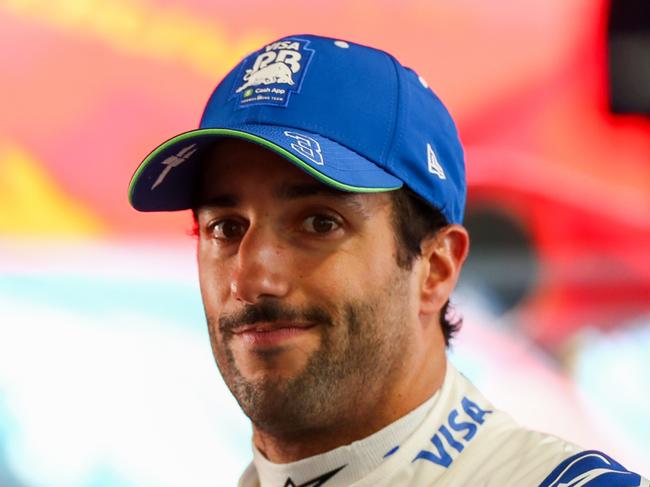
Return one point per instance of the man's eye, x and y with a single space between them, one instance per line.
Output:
320 224
228 229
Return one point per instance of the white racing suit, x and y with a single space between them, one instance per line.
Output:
464 441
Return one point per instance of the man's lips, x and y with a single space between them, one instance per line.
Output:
267 327
269 334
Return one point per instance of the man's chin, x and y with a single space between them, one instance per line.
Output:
279 398
272 376
271 364
264 399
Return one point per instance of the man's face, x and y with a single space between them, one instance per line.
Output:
310 317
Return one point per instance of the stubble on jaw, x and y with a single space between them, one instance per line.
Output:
344 379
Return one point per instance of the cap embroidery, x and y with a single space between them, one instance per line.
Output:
174 161
269 76
433 164
306 146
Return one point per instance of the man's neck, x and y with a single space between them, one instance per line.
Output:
347 464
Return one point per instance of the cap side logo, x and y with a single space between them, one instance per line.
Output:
174 161
269 76
433 165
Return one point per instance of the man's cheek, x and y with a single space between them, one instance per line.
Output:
214 291
221 349
335 280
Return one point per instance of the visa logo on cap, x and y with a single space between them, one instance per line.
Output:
270 75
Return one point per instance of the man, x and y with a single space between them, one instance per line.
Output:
327 184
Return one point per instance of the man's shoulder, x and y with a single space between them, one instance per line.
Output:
592 469
505 454
467 441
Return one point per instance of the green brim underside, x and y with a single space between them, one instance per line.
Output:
257 140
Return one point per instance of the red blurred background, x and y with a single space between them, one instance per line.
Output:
89 87
559 185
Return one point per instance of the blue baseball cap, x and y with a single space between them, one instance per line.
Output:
351 116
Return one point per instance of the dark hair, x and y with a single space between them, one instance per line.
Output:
414 220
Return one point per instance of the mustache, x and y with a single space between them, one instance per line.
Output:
272 311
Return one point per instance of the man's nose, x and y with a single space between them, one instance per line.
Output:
263 267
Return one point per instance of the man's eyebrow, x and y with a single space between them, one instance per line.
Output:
288 192
304 190
219 201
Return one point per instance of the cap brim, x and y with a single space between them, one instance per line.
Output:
166 179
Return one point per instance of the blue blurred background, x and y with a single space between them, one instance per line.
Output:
106 373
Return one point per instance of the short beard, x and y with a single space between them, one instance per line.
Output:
356 358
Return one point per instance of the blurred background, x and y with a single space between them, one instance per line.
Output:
106 374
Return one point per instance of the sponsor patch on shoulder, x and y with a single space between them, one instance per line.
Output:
270 75
591 469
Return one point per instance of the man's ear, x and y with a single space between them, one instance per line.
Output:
443 254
